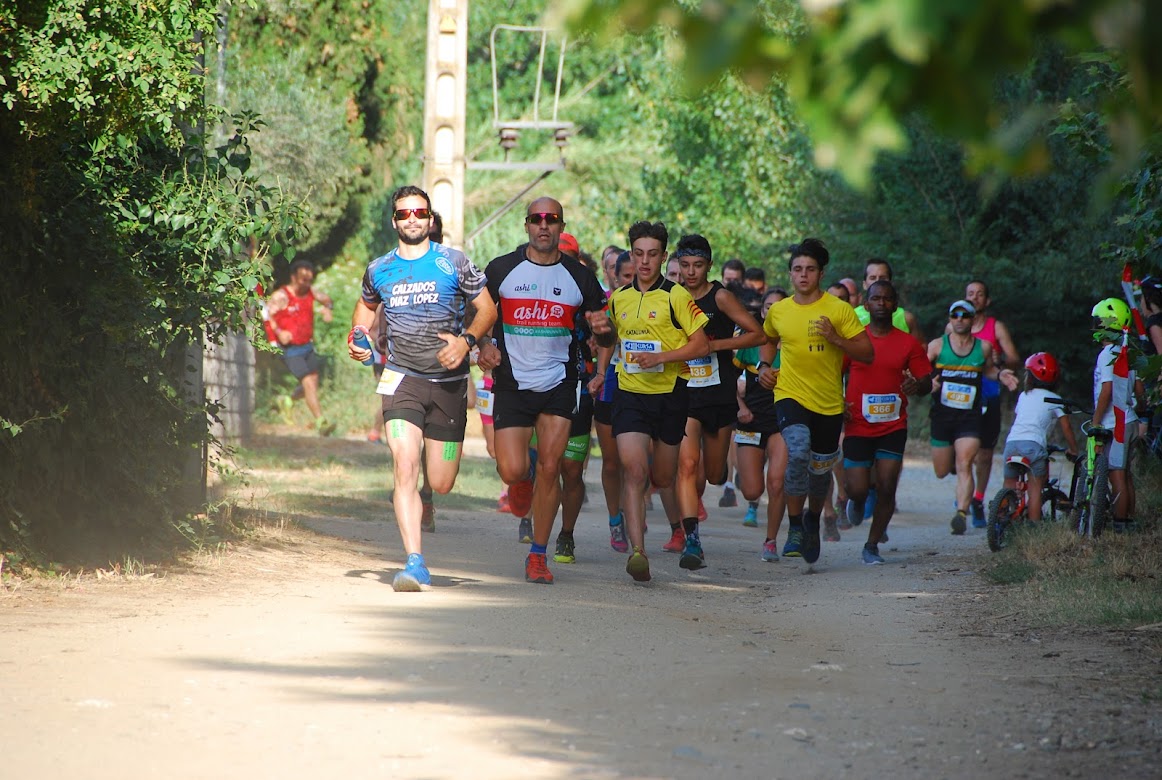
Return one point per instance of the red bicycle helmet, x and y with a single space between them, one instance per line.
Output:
1043 366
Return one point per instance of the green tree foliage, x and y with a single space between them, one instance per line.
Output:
710 178
611 93
125 245
342 85
304 148
1135 197
865 66
641 140
647 148
1045 246
730 158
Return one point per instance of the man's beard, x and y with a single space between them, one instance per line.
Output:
548 245
410 241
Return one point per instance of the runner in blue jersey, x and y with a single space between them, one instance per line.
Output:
424 288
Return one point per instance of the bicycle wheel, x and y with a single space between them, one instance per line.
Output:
1079 512
1051 499
1003 513
1099 498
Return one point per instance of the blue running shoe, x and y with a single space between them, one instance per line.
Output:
810 544
854 513
871 556
794 544
752 515
413 577
977 508
770 551
692 556
617 540
869 506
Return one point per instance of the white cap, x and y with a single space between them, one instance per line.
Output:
962 304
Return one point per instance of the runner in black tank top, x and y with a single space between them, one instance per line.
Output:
758 439
713 405
712 378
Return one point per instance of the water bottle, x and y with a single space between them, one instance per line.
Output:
362 340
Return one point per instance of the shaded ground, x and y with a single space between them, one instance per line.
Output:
292 657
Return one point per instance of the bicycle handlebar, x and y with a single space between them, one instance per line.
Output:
1053 449
1096 431
1071 407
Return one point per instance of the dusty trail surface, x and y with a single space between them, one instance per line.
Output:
293 658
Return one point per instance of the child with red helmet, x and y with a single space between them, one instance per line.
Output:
1034 417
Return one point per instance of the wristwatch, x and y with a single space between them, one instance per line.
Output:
471 340
762 364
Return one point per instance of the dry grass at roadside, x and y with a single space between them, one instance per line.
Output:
1055 578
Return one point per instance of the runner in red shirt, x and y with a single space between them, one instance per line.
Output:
877 419
290 324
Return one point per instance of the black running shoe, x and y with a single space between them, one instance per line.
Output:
810 536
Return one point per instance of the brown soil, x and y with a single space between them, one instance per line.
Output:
290 656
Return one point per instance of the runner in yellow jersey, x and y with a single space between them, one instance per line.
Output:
660 328
815 331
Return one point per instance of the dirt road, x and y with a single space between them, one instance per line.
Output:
293 658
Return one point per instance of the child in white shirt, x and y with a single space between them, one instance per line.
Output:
1034 417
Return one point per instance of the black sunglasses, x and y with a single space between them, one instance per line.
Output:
420 213
959 315
543 216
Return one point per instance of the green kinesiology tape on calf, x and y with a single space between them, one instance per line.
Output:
450 448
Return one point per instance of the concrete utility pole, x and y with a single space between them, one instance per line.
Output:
445 105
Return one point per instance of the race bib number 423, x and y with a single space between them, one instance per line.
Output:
388 382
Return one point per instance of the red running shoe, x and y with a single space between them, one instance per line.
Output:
502 504
520 498
677 541
536 570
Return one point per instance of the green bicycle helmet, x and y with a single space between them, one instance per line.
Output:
1113 313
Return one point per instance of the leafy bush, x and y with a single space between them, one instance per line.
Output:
127 244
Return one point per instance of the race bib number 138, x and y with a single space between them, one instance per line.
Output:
703 371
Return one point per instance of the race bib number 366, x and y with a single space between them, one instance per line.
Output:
881 408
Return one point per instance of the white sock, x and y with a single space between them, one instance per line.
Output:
728 485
